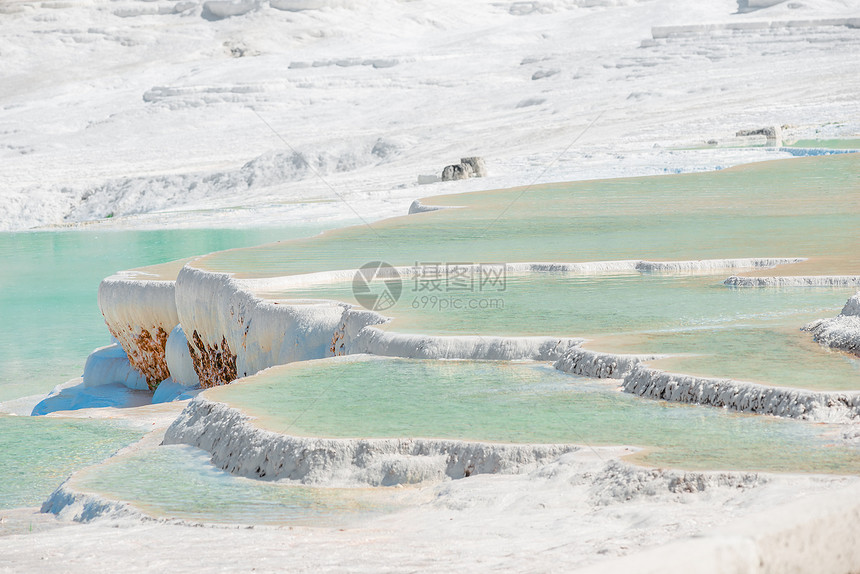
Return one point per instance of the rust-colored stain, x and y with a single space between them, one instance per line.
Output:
214 364
146 352
338 341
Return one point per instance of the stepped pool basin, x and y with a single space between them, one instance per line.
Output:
37 454
752 334
48 292
801 214
49 285
804 207
510 402
836 144
197 491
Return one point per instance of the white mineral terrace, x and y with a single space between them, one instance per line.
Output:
134 132
841 332
219 329
763 523
241 448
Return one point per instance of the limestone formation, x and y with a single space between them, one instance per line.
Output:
816 406
457 171
468 167
841 332
772 133
243 449
479 168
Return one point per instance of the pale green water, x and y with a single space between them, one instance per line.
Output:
751 334
49 288
567 304
807 207
51 322
37 454
770 351
522 403
804 207
178 481
828 144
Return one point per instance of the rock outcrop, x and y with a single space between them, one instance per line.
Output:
841 332
468 167
816 406
772 133
243 449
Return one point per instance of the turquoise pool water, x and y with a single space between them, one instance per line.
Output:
523 403
574 305
804 207
769 351
49 288
828 144
38 454
178 481
748 334
51 322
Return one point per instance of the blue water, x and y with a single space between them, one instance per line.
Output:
37 454
806 207
523 403
51 321
49 287
200 491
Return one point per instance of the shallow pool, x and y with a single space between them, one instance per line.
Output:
38 454
748 334
178 481
364 397
803 207
49 290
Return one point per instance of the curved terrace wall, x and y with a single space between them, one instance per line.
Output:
140 315
240 448
231 332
